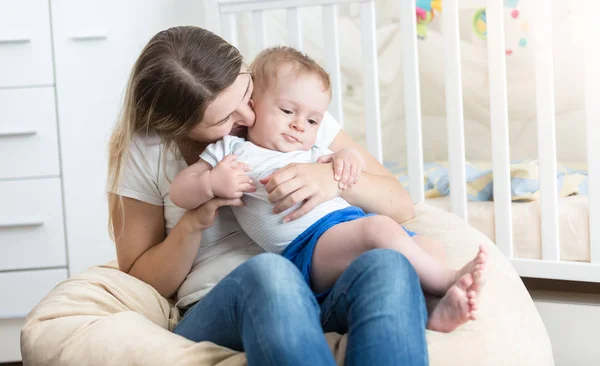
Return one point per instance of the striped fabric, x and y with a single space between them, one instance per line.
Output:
525 180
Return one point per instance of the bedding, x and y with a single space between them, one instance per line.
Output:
573 203
106 317
525 180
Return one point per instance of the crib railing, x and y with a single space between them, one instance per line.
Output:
227 11
499 126
550 266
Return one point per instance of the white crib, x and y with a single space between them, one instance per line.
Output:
223 19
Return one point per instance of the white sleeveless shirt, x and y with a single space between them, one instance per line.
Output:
224 245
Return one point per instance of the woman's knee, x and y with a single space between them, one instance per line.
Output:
272 274
389 269
384 281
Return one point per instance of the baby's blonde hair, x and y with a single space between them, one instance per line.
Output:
265 65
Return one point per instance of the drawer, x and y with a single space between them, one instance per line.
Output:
28 133
31 224
25 48
23 290
10 340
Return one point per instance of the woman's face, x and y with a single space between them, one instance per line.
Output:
229 114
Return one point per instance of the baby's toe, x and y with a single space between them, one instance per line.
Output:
465 281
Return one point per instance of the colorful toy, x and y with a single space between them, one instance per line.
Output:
480 24
425 14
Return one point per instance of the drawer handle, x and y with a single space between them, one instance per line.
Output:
89 37
33 222
18 133
15 40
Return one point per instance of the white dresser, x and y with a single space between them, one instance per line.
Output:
63 68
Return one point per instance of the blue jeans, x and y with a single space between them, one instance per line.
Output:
265 308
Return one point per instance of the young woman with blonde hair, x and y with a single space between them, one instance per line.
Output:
188 89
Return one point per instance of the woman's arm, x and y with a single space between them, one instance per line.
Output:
144 252
377 190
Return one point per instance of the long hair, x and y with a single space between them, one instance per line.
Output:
178 73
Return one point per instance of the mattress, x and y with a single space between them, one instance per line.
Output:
527 237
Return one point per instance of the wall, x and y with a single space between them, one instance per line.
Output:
572 321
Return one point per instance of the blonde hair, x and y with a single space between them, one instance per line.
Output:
178 73
265 66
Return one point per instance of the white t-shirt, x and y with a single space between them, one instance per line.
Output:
224 245
256 217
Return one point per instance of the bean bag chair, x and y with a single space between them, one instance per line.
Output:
106 317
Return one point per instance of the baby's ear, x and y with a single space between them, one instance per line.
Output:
251 103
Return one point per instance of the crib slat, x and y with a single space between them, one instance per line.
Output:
230 28
499 126
332 60
371 80
412 100
294 28
592 107
454 108
260 34
544 75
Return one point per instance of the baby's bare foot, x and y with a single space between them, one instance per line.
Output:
455 308
478 268
480 272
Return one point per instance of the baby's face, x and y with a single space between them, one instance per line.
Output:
289 112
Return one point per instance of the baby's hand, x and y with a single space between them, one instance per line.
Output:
229 180
347 166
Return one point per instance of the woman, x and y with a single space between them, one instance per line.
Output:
190 88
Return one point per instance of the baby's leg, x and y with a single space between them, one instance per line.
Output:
341 244
436 250
477 266
432 247
384 232
335 250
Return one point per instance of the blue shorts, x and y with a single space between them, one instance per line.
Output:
300 251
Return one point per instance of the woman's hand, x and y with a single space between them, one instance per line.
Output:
311 184
348 163
145 251
204 216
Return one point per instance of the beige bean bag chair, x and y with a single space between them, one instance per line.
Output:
106 317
